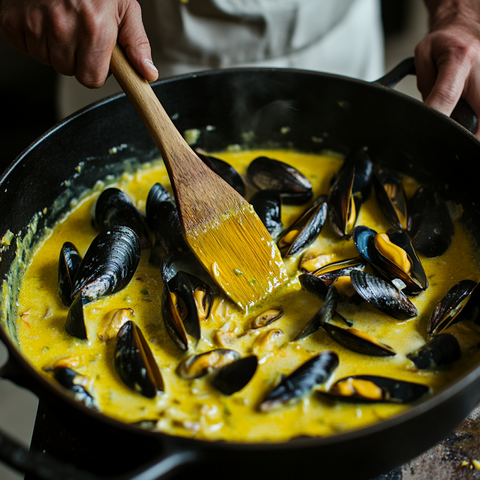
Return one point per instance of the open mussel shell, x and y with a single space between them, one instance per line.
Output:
434 232
420 202
268 206
313 284
180 312
135 363
224 170
452 308
292 388
68 263
109 264
441 351
375 389
114 207
199 365
358 341
156 195
325 314
392 256
383 296
270 174
391 197
266 317
234 376
74 383
342 209
362 183
304 230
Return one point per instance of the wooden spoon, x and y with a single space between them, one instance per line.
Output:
219 225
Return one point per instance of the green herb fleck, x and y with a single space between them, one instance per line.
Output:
237 272
144 292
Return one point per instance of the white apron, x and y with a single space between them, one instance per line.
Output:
334 36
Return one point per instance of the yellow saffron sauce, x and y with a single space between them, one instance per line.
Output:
194 408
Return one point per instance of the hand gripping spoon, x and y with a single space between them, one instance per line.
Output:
219 225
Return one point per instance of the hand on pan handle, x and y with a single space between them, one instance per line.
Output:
447 60
77 37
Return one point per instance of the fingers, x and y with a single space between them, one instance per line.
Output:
133 39
77 37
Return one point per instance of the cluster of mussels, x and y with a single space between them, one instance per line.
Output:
396 273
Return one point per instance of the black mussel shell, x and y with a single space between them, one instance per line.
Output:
451 309
440 351
69 261
391 197
383 295
75 324
375 389
135 363
362 183
357 341
156 195
165 225
180 312
269 174
325 314
109 264
196 366
268 205
313 284
114 207
292 388
421 201
224 170
342 208
304 230
234 376
434 232
69 379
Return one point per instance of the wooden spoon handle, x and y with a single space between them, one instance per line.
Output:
164 133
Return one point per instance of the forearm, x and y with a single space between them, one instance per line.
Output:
444 12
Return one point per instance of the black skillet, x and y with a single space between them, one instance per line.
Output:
283 108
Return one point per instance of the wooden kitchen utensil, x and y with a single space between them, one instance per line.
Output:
219 225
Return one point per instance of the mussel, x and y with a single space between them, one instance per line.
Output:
69 261
440 351
234 376
392 256
292 388
74 383
452 308
135 363
199 365
383 295
109 264
391 197
268 205
114 207
270 174
224 170
358 341
375 389
304 230
325 314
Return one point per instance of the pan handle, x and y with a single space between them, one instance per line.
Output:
462 113
47 467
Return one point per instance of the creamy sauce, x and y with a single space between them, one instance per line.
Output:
193 407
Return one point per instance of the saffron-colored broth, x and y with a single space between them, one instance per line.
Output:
194 408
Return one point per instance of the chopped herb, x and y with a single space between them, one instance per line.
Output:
237 272
46 349
144 292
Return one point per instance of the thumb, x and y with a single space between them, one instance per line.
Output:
133 38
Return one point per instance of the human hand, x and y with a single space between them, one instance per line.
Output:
447 60
76 37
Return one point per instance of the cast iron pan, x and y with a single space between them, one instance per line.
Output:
321 112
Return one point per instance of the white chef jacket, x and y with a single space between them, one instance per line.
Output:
335 36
